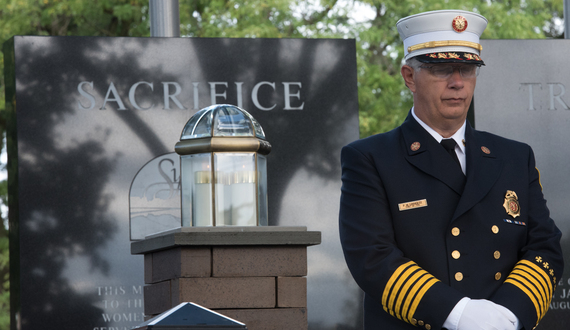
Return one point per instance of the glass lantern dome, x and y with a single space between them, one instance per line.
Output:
223 169
222 120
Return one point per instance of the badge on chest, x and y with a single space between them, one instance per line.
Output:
412 205
511 204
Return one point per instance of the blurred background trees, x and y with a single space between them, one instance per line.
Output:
384 101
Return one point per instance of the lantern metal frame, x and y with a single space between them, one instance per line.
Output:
215 145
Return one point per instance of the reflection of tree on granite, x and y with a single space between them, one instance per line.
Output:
66 209
68 191
72 209
67 218
293 151
64 213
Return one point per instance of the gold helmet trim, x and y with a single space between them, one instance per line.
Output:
445 43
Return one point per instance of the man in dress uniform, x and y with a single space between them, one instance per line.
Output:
443 226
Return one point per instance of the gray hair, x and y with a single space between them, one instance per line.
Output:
414 63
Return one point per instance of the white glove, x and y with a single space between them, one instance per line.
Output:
507 312
481 314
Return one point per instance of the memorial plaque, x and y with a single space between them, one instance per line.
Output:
521 95
92 127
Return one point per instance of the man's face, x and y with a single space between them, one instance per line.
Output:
439 101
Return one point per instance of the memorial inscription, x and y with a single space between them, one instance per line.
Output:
121 307
171 92
539 99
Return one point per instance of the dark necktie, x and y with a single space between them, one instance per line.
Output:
449 145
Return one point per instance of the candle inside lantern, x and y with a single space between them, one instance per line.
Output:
243 199
202 201
223 199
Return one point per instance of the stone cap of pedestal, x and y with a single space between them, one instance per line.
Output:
234 236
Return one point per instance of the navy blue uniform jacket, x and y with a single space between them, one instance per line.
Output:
418 235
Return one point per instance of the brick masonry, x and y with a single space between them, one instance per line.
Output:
262 286
291 291
270 319
178 262
158 296
234 292
259 261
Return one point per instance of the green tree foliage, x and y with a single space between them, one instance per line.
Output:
257 18
74 17
383 99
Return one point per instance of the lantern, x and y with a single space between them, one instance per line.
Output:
223 169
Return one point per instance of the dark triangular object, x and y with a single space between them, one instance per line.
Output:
190 316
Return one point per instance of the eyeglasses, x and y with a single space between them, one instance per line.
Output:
445 71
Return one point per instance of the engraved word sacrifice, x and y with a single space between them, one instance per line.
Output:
285 95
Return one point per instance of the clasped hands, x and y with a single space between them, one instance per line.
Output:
482 314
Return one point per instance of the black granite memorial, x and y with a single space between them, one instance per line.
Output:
522 96
91 132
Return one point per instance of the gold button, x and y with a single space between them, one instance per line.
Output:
498 276
455 254
458 276
497 254
420 323
455 231
428 327
495 229
414 321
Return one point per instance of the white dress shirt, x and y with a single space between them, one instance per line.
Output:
459 138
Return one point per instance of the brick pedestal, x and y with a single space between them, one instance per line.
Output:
256 275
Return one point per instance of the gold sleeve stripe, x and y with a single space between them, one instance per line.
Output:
539 273
423 276
540 282
419 297
526 291
536 297
535 283
522 277
391 281
405 289
545 280
400 286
